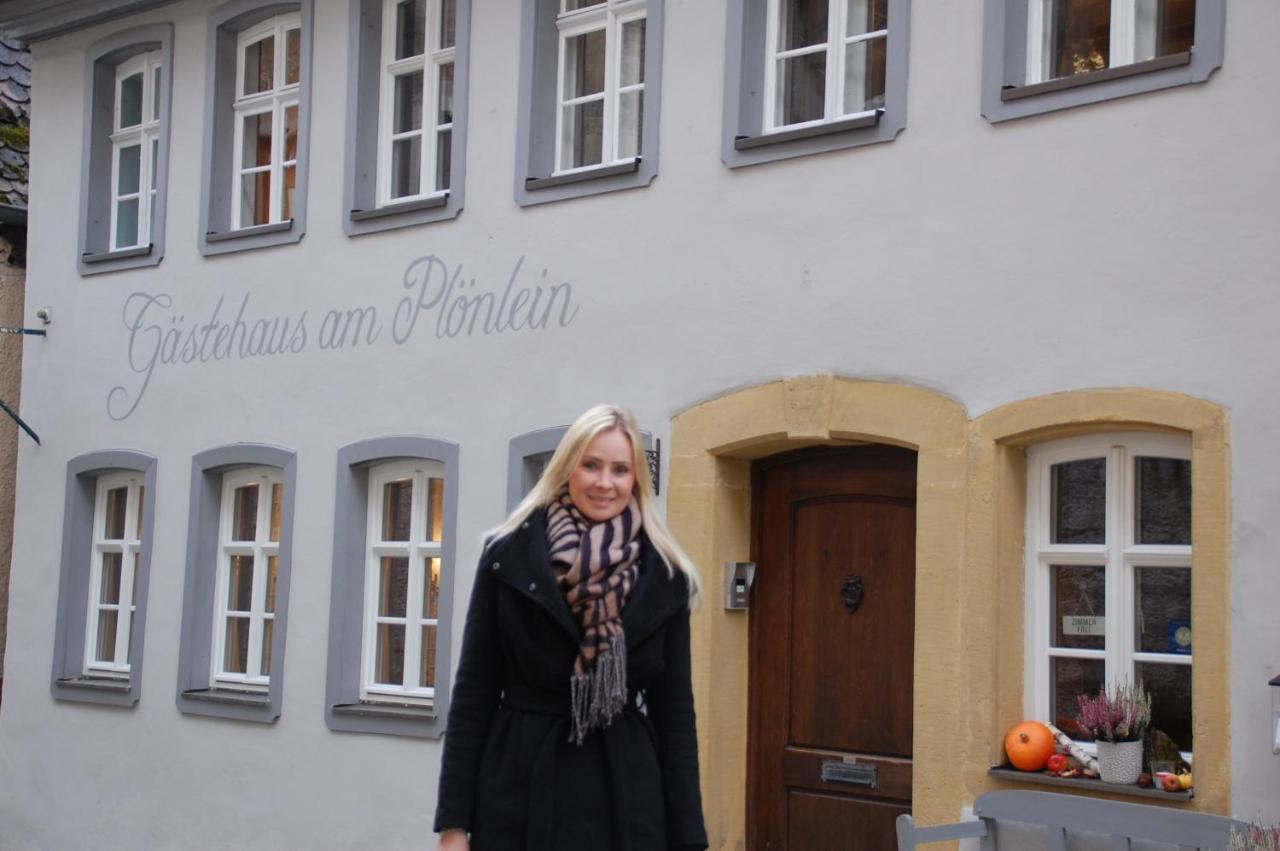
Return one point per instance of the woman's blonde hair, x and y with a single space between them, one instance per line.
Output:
564 461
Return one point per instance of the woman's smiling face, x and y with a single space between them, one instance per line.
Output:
600 486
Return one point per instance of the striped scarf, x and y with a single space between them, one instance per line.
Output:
596 565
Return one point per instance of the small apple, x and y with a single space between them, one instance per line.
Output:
1057 764
1144 780
1171 783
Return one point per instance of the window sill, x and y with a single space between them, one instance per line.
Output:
870 118
370 709
245 233
229 697
629 167
1039 778
107 684
119 254
431 203
1173 60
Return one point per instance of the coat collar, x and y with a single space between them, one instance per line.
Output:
522 562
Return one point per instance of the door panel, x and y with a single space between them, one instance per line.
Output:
832 637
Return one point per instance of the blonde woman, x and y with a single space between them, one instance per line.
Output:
572 726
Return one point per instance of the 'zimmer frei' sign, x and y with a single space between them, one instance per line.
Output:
436 300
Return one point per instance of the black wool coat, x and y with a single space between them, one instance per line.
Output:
510 775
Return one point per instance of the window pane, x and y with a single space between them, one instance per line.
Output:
444 158
256 149
411 28
803 23
389 665
584 64
130 165
265 667
574 5
244 513
408 103
1079 606
431 590
137 569
255 199
1069 679
427 676
277 506
109 592
155 162
1079 492
131 100
444 105
583 139
127 223
292 56
1081 40
393 587
630 120
435 508
1162 609
155 93
113 529
406 166
866 16
236 653
802 85
142 500
1170 687
290 178
260 66
864 75
273 567
1175 26
633 52
105 647
1162 492
240 584
448 23
397 508
290 133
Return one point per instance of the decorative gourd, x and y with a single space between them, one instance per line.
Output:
1029 746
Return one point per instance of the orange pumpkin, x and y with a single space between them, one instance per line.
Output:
1029 746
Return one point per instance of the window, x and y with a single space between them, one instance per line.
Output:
813 75
1108 572
248 574
126 144
236 593
392 589
113 564
102 590
402 580
590 103
407 116
268 69
256 159
1044 55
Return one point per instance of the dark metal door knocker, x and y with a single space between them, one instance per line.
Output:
851 592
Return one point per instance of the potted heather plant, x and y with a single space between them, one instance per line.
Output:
1117 720
1255 837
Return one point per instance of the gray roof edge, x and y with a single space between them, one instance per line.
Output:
36 20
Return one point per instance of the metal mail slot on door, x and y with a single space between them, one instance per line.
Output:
849 772
738 576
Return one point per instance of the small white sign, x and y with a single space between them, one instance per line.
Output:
1084 625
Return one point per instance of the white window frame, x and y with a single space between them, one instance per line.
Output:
1119 555
1133 23
417 550
146 135
610 16
129 548
261 548
429 63
275 101
835 49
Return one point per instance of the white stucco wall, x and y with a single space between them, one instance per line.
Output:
1130 243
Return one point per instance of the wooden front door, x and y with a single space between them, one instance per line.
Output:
832 633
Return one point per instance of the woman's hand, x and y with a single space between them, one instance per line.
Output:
454 840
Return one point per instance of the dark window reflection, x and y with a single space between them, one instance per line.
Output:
1163 493
1170 687
1079 491
1070 679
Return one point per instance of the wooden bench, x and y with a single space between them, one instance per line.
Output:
1055 815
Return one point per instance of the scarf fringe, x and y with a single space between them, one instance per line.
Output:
601 693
